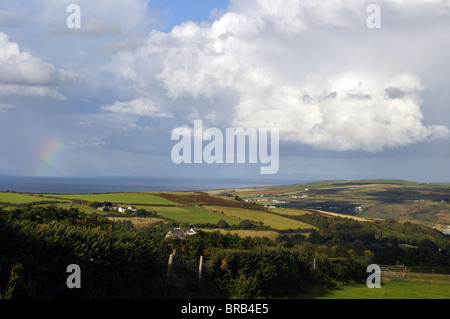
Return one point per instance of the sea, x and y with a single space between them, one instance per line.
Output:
88 185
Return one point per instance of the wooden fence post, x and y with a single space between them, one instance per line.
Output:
200 266
169 265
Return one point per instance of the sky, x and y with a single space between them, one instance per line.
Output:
350 101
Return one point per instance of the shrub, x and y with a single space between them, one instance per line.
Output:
222 224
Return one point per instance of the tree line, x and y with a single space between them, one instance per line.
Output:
118 261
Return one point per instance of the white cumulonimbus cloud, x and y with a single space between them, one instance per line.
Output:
21 73
299 66
348 113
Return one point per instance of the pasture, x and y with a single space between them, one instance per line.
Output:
192 215
422 203
247 233
118 198
288 211
425 288
139 222
272 220
82 208
22 198
360 219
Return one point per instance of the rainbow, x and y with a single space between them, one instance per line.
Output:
48 155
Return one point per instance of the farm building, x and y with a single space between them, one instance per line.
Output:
105 204
176 232
179 233
191 232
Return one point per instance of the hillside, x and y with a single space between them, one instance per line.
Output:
426 204
422 203
254 245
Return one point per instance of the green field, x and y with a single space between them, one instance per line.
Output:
426 204
22 198
394 290
118 198
288 211
273 220
82 208
192 215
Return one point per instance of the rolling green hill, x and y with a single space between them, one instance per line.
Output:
426 204
23 198
252 249
119 198
422 203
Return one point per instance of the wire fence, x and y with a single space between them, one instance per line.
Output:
393 273
430 270
185 270
193 270
400 272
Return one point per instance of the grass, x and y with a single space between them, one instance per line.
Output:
415 286
272 220
22 198
360 219
248 233
394 290
427 204
192 215
82 208
289 211
428 213
139 222
118 198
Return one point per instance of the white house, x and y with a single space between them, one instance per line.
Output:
191 232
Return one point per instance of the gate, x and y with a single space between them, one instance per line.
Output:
393 273
185 270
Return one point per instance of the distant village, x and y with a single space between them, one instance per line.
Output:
274 201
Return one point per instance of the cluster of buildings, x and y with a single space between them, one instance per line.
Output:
275 201
300 196
119 209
